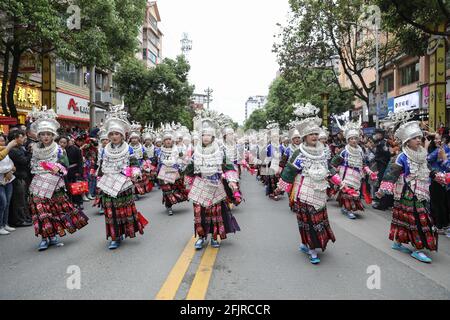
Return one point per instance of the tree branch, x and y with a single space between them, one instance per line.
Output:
444 9
417 25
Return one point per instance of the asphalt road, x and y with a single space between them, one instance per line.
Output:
260 262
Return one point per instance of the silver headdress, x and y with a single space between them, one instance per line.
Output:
324 133
306 110
44 121
407 129
167 131
351 129
208 122
293 129
148 132
117 120
135 131
102 134
310 123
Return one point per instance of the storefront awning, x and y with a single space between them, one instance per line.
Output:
74 119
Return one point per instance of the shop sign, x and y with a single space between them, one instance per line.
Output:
72 106
407 102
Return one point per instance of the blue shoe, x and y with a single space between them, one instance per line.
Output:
350 215
43 245
54 241
199 243
400 247
315 260
114 245
421 256
303 249
215 243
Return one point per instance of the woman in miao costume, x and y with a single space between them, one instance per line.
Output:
141 181
52 212
352 166
234 197
150 165
306 177
272 161
169 171
408 179
117 167
205 176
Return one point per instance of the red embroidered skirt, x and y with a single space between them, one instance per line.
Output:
314 227
216 220
173 193
121 215
404 228
55 216
348 202
142 185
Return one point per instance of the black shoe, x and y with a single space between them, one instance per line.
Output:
23 224
378 207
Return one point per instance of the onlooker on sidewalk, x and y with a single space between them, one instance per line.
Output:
438 157
19 215
382 158
75 171
6 189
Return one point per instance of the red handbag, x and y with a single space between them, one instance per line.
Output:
78 188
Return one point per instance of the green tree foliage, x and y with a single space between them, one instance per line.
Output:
160 94
284 93
257 120
413 21
322 32
108 32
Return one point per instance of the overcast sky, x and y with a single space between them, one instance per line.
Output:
231 49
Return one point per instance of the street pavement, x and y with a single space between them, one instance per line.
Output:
261 261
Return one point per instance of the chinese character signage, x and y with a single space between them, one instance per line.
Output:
407 102
25 97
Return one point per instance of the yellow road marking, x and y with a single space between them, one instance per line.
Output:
176 275
202 276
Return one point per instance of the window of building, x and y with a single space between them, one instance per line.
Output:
68 72
144 53
153 22
101 81
409 74
152 57
388 83
153 39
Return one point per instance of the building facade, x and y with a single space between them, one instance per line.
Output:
151 41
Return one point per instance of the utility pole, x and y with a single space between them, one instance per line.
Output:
208 92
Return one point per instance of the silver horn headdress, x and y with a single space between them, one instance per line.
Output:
351 128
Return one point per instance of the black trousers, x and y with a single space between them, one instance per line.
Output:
440 205
18 209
